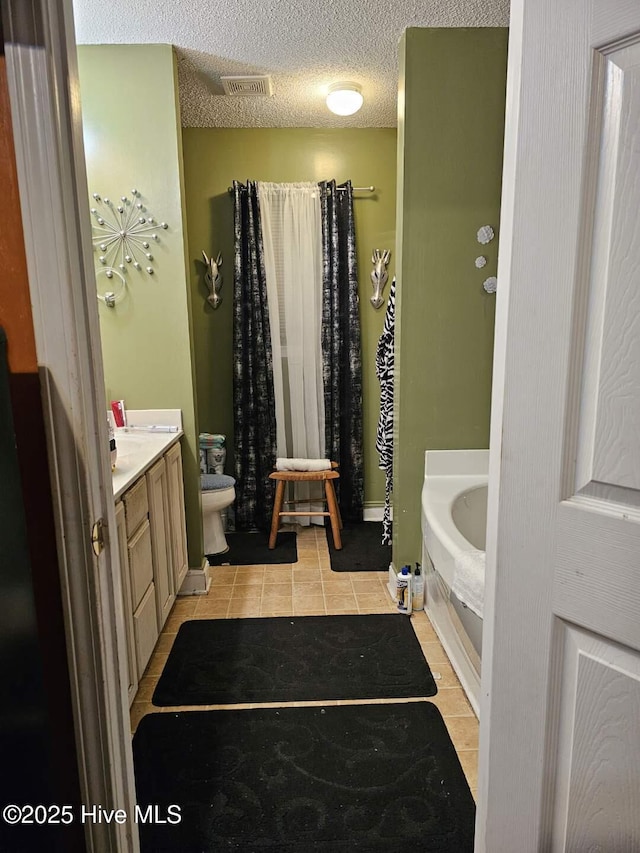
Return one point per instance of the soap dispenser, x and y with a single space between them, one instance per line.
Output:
417 589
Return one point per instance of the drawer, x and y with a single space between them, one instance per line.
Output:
145 628
136 505
140 562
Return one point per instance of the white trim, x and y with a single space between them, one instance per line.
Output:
54 203
197 581
373 513
507 208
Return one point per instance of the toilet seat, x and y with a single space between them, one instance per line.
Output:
218 498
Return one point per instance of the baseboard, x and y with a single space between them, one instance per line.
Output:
391 583
197 581
373 512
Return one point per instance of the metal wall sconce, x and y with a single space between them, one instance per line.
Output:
379 275
213 279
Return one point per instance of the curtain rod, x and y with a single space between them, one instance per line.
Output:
340 189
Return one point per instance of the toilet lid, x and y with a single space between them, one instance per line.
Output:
213 482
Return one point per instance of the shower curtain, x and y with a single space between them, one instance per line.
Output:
254 413
259 433
292 240
341 347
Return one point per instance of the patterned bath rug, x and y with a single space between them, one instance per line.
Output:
293 659
333 779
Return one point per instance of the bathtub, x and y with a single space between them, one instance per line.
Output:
454 519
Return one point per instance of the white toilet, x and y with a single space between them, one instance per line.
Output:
217 492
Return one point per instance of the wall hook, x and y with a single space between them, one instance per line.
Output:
213 279
379 275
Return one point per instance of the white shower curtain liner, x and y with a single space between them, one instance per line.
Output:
292 243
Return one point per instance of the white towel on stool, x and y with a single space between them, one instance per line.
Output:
302 464
468 579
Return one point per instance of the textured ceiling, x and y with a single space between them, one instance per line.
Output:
305 46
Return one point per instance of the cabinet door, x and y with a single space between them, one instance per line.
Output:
145 628
127 603
136 505
140 562
177 523
160 540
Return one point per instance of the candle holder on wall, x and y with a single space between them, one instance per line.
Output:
213 279
379 275
111 297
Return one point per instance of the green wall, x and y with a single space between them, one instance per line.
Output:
131 125
450 136
212 159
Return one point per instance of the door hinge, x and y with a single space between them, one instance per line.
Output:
97 537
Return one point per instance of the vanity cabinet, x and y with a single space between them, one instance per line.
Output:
177 520
142 614
152 544
131 673
157 488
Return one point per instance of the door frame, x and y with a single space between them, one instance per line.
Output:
47 130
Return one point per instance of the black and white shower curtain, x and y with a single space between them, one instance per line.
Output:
255 404
254 413
341 346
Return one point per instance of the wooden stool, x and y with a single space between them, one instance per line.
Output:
284 477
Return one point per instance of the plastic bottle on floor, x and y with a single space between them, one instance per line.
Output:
403 591
417 589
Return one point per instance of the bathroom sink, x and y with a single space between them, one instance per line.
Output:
137 451
128 441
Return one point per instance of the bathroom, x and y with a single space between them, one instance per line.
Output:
449 405
170 332
527 698
160 342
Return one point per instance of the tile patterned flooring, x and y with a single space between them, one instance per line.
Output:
310 588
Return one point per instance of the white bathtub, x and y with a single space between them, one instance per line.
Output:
454 519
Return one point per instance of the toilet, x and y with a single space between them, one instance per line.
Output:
217 492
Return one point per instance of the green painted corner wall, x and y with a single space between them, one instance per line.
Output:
131 125
212 159
450 140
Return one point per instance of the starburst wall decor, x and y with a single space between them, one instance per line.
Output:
124 233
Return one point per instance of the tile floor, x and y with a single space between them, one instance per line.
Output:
310 588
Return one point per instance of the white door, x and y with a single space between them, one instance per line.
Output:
560 712
39 53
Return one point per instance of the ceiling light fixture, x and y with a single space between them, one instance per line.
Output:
344 99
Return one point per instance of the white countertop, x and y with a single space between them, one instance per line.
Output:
137 451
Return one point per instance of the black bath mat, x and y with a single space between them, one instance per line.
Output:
375 778
294 658
252 549
361 549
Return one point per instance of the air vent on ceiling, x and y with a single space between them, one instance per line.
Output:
257 84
